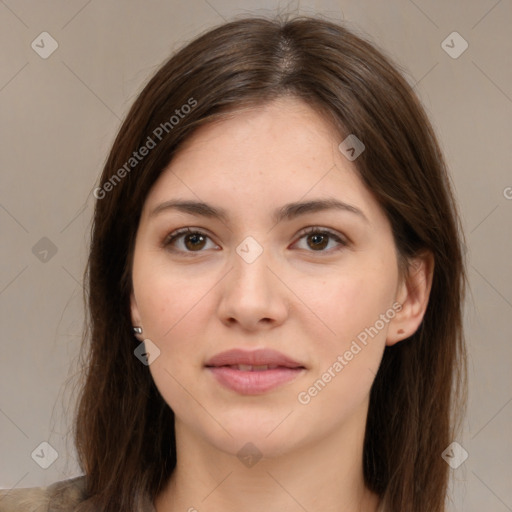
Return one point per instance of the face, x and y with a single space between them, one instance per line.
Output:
317 284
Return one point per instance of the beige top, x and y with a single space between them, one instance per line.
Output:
62 496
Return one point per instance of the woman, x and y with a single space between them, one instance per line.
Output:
276 284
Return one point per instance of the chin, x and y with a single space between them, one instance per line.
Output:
252 444
265 434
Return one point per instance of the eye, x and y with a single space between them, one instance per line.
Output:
192 240
318 239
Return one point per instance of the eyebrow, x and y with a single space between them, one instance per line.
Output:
287 212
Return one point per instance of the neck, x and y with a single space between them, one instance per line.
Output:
325 475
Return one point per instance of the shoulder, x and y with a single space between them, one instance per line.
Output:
61 496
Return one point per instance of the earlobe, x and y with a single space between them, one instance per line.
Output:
135 316
134 310
413 294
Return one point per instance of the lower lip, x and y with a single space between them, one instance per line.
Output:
254 382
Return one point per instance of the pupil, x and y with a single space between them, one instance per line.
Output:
195 239
317 239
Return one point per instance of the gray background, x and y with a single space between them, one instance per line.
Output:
59 117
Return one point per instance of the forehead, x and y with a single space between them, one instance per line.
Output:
277 129
258 158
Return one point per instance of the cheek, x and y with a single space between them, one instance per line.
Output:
165 298
173 312
346 362
175 308
350 302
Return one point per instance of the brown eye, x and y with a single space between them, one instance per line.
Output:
186 241
194 241
317 239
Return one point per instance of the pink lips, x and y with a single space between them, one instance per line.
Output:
255 372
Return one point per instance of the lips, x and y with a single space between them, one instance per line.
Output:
257 360
253 373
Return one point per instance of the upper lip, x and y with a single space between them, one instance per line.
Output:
258 357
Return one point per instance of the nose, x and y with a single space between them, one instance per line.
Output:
253 295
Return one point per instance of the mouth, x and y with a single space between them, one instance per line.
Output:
255 360
253 373
254 368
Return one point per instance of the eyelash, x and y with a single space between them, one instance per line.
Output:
172 237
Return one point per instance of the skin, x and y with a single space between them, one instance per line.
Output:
310 304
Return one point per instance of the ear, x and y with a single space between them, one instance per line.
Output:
413 293
135 315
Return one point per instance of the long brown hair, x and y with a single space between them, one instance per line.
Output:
124 430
